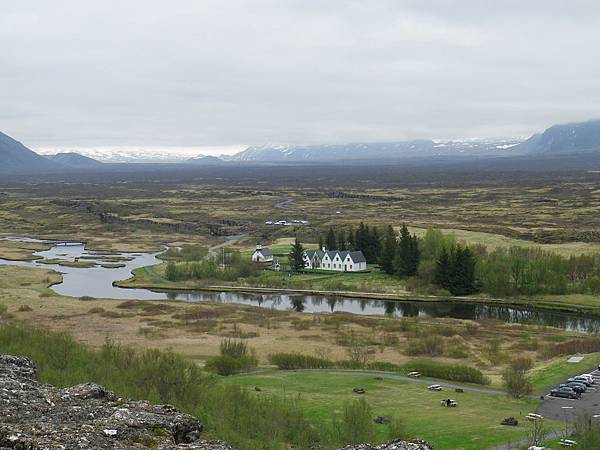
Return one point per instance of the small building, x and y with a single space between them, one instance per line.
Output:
262 254
340 261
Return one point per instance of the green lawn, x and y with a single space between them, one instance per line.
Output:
474 424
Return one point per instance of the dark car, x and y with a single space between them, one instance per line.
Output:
577 387
564 392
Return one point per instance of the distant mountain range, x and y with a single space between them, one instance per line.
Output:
372 151
574 140
75 160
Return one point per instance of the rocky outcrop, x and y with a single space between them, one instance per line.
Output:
392 445
39 416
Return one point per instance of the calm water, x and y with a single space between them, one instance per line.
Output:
97 282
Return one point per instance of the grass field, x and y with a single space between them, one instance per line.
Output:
492 241
474 424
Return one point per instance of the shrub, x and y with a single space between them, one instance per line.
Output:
585 345
451 372
235 357
428 345
291 361
458 352
356 424
516 382
226 365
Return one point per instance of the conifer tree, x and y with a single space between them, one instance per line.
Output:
296 256
330 240
321 243
351 239
406 260
442 270
341 239
389 250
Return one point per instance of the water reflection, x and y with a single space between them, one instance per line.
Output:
98 282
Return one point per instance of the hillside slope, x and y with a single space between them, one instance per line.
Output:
15 157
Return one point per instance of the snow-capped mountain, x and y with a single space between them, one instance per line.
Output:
373 151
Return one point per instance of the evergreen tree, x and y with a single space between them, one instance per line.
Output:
341 239
361 238
389 250
374 245
351 239
461 271
441 276
296 256
330 240
406 260
321 243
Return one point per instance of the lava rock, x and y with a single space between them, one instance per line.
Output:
392 445
40 416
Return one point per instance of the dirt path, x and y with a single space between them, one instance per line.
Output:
230 240
283 203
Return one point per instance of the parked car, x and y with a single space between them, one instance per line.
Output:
577 387
435 387
580 379
589 376
564 392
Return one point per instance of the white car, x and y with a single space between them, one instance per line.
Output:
533 417
435 387
589 377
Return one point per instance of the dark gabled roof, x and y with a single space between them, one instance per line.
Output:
265 251
356 256
311 253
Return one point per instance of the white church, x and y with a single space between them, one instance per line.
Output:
262 254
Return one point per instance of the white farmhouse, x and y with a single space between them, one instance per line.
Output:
341 261
262 254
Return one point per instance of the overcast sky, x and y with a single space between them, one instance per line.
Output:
223 74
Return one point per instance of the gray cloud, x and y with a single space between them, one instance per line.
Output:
228 72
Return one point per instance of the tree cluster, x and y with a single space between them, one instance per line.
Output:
455 270
366 239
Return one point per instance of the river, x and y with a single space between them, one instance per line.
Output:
98 282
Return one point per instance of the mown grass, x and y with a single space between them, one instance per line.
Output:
474 424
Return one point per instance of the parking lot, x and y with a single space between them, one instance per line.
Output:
568 409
